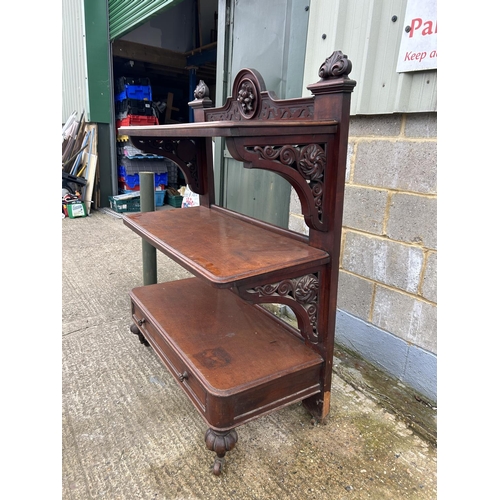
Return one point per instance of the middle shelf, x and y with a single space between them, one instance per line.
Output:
222 249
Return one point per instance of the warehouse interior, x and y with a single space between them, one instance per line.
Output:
172 48
167 55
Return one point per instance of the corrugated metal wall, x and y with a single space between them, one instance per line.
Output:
277 52
126 15
365 31
74 72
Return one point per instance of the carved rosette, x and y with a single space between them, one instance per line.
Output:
336 66
301 291
247 98
309 161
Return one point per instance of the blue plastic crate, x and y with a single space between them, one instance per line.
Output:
133 180
142 92
138 164
123 81
159 198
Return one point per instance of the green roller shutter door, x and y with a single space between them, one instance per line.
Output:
126 15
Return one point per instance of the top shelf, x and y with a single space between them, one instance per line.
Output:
221 248
232 129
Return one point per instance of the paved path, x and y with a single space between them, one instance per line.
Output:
129 432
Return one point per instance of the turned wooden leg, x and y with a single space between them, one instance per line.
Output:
136 331
221 443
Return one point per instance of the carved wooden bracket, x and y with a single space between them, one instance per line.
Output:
300 294
303 166
183 152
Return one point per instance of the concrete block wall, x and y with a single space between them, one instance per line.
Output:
387 301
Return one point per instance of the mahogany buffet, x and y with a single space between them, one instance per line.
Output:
234 359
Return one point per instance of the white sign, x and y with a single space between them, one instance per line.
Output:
418 50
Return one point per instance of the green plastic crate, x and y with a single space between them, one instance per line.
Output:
174 200
125 203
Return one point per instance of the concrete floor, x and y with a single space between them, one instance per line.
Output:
129 432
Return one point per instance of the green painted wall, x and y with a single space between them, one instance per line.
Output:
98 61
99 88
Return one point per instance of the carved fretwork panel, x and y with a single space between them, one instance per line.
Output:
300 294
267 109
183 152
301 165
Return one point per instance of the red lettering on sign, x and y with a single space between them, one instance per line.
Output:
415 25
416 56
429 27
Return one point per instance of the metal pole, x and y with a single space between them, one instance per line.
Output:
147 190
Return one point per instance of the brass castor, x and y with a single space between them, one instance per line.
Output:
221 443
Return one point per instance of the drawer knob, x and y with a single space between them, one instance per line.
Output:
184 376
141 321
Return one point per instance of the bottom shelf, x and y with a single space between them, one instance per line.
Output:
234 362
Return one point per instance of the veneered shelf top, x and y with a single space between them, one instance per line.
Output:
231 129
233 335
220 248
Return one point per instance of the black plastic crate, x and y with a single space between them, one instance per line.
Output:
134 107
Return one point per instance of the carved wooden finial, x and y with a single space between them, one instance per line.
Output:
201 91
336 66
201 101
334 75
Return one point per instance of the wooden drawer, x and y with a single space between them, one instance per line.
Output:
234 362
177 367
